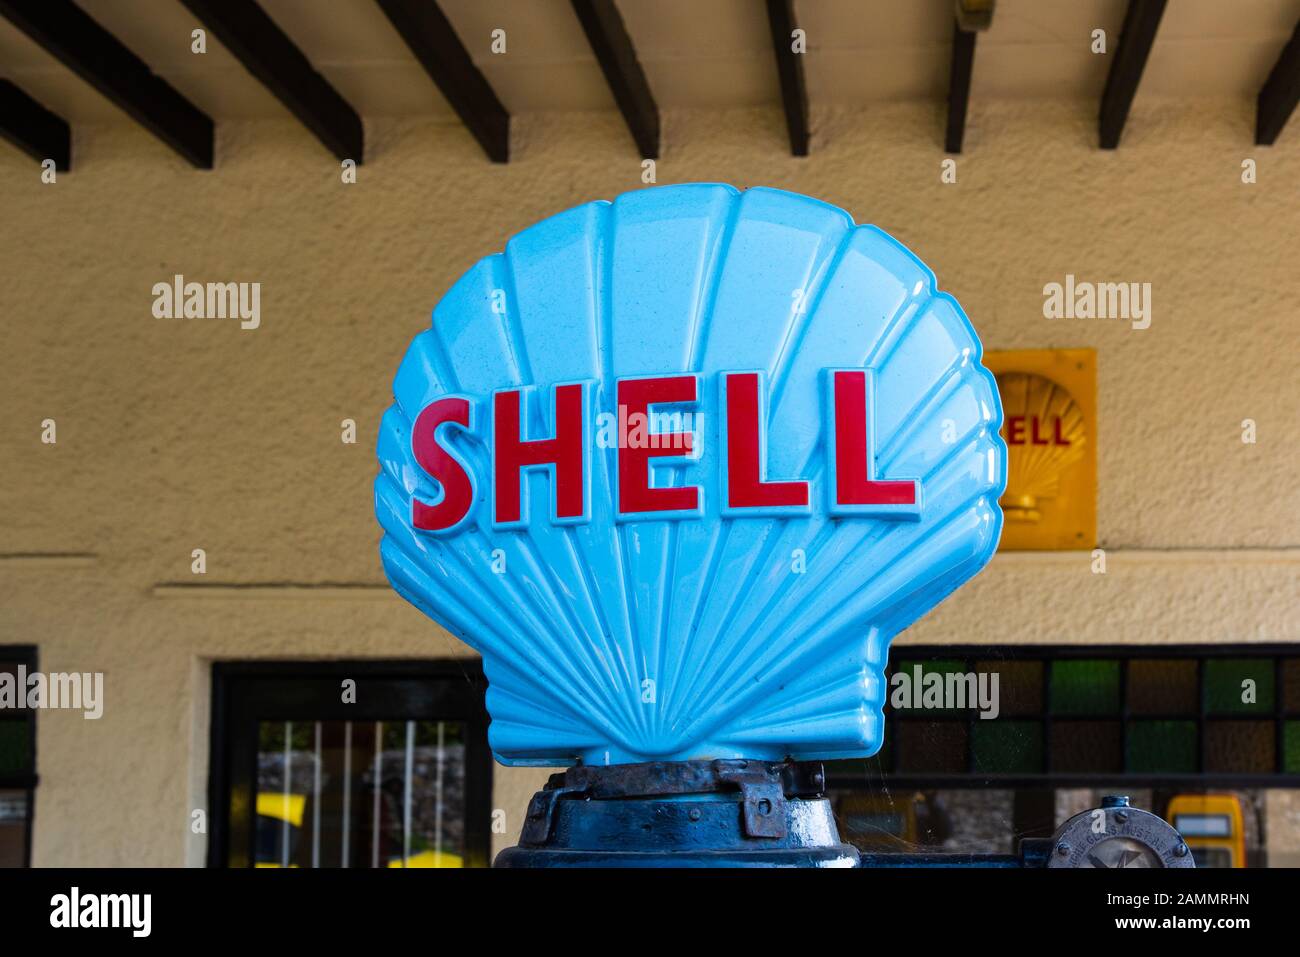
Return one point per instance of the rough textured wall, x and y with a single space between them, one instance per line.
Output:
175 435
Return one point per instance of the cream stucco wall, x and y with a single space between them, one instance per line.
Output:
177 435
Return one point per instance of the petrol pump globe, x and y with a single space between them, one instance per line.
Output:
680 466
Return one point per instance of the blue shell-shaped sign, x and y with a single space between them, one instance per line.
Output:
680 466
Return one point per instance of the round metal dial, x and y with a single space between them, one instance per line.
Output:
1119 836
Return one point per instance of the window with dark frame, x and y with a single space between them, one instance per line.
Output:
1080 716
349 764
18 778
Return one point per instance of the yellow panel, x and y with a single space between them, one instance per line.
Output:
1225 805
429 859
282 807
1049 402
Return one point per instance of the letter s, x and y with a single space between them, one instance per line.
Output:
441 465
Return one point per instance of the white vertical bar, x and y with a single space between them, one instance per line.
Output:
315 804
437 812
347 790
379 768
284 816
406 792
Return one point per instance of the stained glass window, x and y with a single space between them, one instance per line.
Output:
1060 715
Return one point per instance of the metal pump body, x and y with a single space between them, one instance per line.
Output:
722 813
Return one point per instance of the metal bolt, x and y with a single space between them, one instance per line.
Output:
765 807
1063 849
1121 816
694 814
1180 850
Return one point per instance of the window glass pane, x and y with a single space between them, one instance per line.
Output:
1291 747
1008 747
1086 746
1085 687
1020 685
934 746
434 776
958 820
283 789
360 794
13 828
864 769
1239 747
1291 685
1162 747
940 665
15 756
877 821
1165 686
1239 685
884 759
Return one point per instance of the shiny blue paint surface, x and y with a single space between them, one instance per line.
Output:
697 636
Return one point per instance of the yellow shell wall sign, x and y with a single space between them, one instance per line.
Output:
1049 400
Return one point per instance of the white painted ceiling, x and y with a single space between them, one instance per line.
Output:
696 53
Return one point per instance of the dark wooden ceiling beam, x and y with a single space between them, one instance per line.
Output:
429 34
610 42
266 51
963 60
789 68
1141 21
1279 94
99 58
34 129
